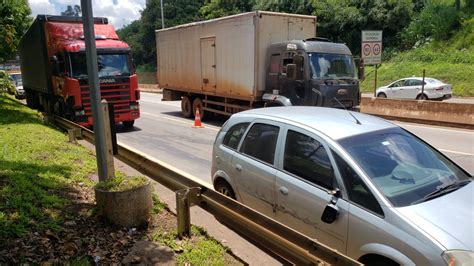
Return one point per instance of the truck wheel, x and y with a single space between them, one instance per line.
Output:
186 107
128 124
197 104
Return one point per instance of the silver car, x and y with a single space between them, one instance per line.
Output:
355 182
411 88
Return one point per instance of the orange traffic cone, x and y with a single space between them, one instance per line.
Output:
197 119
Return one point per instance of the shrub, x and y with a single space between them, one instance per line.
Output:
435 21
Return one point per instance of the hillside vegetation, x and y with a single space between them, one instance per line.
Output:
449 59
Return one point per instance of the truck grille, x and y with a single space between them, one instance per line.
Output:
118 94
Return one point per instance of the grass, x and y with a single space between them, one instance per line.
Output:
122 182
200 249
37 164
451 61
39 167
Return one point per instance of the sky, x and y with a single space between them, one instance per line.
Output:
119 12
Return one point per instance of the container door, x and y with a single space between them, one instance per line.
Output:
208 64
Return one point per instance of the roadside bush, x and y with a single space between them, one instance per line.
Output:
435 22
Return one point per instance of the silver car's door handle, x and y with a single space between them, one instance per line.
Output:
283 190
238 167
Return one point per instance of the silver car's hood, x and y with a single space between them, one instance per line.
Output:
449 219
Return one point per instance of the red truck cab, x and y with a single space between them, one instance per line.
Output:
53 63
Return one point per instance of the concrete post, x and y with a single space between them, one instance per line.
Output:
108 139
93 80
184 199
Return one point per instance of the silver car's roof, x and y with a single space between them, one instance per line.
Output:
335 123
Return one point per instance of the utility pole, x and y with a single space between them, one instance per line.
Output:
93 81
162 17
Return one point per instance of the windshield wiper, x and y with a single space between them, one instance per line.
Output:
443 190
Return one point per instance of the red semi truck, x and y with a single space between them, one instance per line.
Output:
54 69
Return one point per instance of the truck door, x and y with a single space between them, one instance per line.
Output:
208 64
296 90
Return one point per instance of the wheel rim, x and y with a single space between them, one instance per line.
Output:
186 107
382 95
225 191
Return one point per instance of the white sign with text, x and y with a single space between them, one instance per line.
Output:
371 49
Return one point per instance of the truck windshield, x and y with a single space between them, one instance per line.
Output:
331 66
109 65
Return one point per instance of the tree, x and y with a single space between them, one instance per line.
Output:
73 12
220 8
303 7
14 21
141 34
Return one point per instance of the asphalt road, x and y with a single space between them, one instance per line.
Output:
163 134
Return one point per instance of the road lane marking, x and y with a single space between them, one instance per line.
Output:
457 152
160 102
180 121
437 128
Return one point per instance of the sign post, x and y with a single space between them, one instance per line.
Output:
371 50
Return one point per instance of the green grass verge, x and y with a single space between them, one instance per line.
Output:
37 164
451 61
201 249
122 182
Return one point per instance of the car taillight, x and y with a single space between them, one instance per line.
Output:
439 88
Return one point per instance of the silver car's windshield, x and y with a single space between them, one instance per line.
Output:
402 167
331 66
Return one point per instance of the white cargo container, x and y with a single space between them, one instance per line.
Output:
220 65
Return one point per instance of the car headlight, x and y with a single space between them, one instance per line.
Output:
458 257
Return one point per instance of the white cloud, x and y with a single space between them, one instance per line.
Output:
119 12
41 7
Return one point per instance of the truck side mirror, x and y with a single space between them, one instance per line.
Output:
291 71
55 65
298 60
361 68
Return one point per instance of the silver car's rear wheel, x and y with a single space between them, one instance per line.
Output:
224 188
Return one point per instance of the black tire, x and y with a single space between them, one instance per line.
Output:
224 188
198 104
128 124
186 107
381 95
376 260
422 97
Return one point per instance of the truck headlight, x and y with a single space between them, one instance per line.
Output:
79 113
458 257
134 106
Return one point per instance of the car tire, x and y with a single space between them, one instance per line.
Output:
378 260
422 97
128 124
186 107
381 95
224 188
198 104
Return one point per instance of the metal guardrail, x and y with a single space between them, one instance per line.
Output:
273 236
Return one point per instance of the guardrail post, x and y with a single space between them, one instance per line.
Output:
185 198
74 134
423 84
108 140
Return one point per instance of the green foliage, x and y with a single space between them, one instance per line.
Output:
37 167
436 21
14 21
140 34
6 85
304 7
342 21
122 182
220 8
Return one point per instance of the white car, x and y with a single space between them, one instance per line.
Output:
411 88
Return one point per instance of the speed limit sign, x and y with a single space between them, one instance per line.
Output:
372 47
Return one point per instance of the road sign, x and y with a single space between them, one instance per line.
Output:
372 47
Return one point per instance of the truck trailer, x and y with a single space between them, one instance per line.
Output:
54 69
252 60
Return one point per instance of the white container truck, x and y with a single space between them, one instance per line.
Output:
252 60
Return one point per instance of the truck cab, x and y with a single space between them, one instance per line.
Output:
311 72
